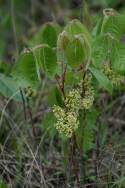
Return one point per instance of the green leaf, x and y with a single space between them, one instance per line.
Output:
75 27
102 79
47 59
102 47
69 78
115 25
54 97
75 52
97 29
98 51
118 58
26 70
9 87
74 44
47 34
63 39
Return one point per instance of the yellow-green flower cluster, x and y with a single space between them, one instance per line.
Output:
88 99
73 100
115 78
29 92
88 92
67 118
67 122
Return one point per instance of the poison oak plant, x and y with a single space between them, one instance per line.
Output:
80 63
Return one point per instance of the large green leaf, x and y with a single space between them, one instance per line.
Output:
75 52
9 87
75 27
47 34
102 47
118 58
47 59
102 79
74 44
115 25
63 40
26 70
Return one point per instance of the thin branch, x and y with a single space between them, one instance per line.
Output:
60 87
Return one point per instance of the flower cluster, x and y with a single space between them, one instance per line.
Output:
115 78
87 91
29 92
67 118
72 100
67 122
87 101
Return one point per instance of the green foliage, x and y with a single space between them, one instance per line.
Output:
25 70
76 76
114 24
65 59
63 39
97 28
47 59
9 87
74 47
102 79
75 28
72 78
102 47
47 34
54 97
75 52
61 55
74 44
118 58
